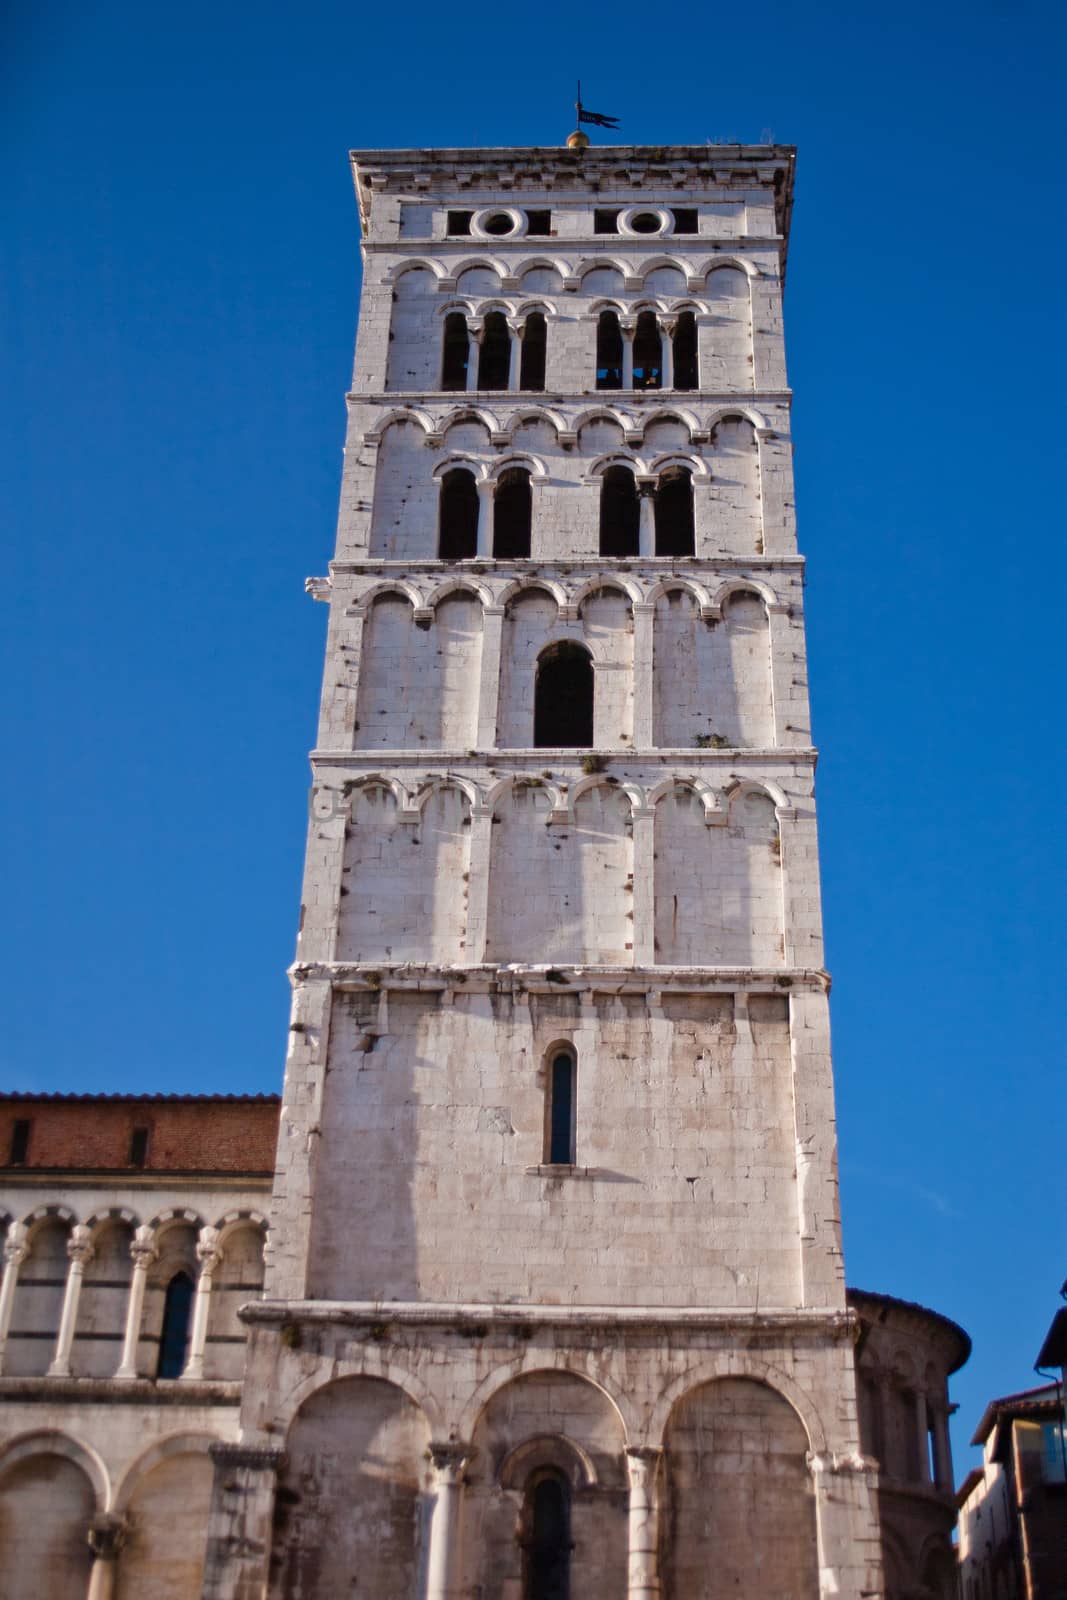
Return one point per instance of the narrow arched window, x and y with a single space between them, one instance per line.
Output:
620 513
456 346
459 516
547 1563
534 352
563 698
685 351
560 1110
648 352
608 351
674 513
512 516
494 357
174 1336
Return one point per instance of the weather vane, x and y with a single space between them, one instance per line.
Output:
579 140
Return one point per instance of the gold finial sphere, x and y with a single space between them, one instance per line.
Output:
577 140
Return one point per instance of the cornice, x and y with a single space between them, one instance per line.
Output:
564 978
478 1315
521 759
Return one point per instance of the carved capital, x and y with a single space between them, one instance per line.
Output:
80 1245
208 1252
260 1458
107 1535
143 1247
16 1245
449 1459
318 588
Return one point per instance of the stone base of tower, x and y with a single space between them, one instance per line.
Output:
437 1451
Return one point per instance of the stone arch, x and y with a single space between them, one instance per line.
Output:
398 414
525 414
616 584
379 780
735 516
597 780
729 413
740 705
104 1295
451 780
680 414
464 307
539 1422
685 668
363 1442
670 583
663 262
35 1219
39 1292
166 1495
518 458
51 1487
541 264
506 308
99 1219
616 458
54 1442
676 458
457 458
754 586
164 1449
716 263
731 1364
462 585
372 1362
403 514
606 617
403 587
527 584
718 891
739 1495
725 356
766 787
237 1218
421 918
413 264
172 1216
464 431
603 264
412 360
514 780
238 1279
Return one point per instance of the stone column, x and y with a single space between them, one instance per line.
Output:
646 535
210 1258
474 345
16 1249
444 1576
921 1430
942 1449
642 1572
107 1535
628 327
666 340
237 1562
644 645
485 520
644 898
514 356
80 1251
489 692
144 1252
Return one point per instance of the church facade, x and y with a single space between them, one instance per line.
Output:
553 1296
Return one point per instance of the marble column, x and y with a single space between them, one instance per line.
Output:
444 1576
642 1567
107 1535
143 1251
16 1249
80 1252
210 1258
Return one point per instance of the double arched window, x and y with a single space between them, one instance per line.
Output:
670 500
646 355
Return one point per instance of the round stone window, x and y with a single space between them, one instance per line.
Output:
646 222
498 224
640 222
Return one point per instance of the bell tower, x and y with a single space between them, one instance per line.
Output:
554 1298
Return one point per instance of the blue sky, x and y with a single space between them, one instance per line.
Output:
181 291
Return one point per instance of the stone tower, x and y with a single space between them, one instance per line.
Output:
554 1297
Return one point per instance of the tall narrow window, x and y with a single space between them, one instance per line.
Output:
648 352
608 351
674 513
511 516
534 349
459 516
547 1564
174 1337
139 1147
454 357
494 357
560 1129
685 351
563 698
20 1140
620 513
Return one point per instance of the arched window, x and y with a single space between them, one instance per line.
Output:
648 352
685 351
620 513
454 357
608 351
563 698
511 516
534 351
674 513
547 1563
459 516
174 1335
494 357
560 1110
